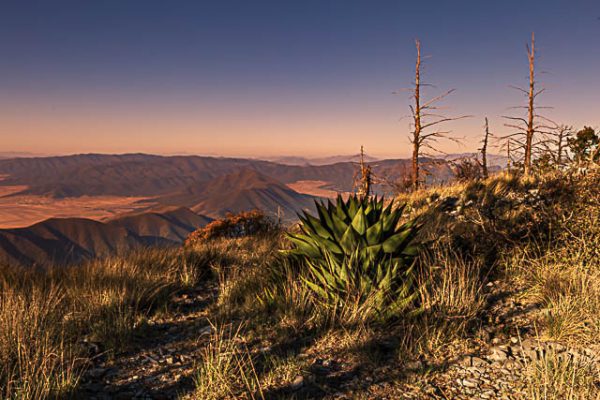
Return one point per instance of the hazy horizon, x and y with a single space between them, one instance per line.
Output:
271 79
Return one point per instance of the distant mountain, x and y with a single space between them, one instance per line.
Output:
17 154
242 190
171 223
208 187
68 240
494 160
303 161
149 175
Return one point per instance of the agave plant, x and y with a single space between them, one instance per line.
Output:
356 250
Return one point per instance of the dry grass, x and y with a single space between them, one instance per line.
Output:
563 275
227 370
558 376
45 315
36 360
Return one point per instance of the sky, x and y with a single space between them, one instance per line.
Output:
275 77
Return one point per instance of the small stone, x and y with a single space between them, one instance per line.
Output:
514 340
497 354
297 383
511 364
478 362
169 360
467 383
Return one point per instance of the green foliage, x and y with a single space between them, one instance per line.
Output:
585 145
356 253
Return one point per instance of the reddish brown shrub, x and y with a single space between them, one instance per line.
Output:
233 226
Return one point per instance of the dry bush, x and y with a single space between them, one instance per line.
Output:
234 226
467 169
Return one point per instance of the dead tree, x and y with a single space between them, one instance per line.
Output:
509 145
425 117
364 182
559 140
483 149
526 128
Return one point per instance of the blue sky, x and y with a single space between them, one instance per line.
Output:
278 77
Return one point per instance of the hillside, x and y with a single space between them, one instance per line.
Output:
150 175
242 190
72 240
506 278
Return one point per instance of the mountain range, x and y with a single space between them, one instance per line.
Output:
175 195
72 240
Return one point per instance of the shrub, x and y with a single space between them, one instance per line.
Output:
468 169
233 226
356 255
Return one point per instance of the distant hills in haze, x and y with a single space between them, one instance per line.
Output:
152 175
296 160
177 194
241 190
71 240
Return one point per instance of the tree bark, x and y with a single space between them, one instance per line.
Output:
417 116
484 150
531 110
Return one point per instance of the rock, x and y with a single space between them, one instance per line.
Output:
169 360
476 370
497 354
478 362
467 383
511 365
297 383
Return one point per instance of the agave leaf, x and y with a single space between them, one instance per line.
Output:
410 251
328 245
304 247
317 227
359 223
342 210
338 226
370 254
324 215
316 288
395 243
374 233
353 206
350 240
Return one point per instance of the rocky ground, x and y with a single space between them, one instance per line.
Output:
162 362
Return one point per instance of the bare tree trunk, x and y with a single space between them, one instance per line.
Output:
508 155
416 140
484 149
564 133
426 119
366 178
530 109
